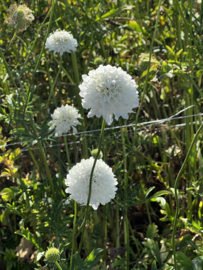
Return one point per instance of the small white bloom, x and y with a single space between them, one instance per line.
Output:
60 42
64 119
103 183
9 99
109 90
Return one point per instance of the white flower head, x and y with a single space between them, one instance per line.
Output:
65 118
109 90
103 183
60 42
19 17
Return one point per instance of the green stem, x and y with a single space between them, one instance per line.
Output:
105 224
76 73
32 123
176 195
65 71
44 42
177 23
90 190
8 70
35 162
73 236
14 36
103 49
117 227
59 267
53 85
117 206
67 152
126 230
47 169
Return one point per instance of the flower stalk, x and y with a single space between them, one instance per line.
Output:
67 151
59 267
89 195
126 230
73 236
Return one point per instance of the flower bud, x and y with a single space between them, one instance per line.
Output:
52 255
19 19
98 61
94 153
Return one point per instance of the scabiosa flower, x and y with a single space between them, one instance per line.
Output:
64 119
52 255
103 182
60 42
19 17
109 90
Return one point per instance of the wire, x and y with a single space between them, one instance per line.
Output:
146 124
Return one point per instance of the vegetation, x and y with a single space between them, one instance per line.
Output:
155 221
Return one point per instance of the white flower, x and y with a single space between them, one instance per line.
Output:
109 90
103 182
19 17
61 41
64 119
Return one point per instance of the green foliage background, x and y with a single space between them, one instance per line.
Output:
134 231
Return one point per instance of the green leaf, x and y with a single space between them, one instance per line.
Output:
15 154
80 262
179 52
135 26
93 258
28 235
183 259
160 193
153 266
93 254
194 246
169 49
118 261
199 170
114 12
39 255
148 191
160 200
197 263
9 193
152 231
4 217
154 248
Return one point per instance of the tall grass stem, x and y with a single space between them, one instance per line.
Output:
73 236
126 229
76 73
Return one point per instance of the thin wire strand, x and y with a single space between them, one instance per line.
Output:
148 123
